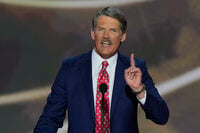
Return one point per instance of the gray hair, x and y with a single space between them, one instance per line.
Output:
113 13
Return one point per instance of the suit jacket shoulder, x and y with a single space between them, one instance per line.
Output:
76 60
139 62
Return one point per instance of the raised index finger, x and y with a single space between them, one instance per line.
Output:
132 61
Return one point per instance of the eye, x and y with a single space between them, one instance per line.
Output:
114 30
100 29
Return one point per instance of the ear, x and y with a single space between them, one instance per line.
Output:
92 34
123 37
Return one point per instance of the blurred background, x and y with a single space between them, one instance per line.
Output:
35 36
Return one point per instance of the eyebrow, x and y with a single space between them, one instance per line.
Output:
115 28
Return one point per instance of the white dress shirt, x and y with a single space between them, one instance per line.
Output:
96 68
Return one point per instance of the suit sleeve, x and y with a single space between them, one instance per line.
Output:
55 109
155 107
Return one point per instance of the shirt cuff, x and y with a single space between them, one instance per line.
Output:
143 100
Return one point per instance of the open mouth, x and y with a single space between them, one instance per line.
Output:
106 42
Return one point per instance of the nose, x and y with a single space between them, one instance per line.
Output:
106 34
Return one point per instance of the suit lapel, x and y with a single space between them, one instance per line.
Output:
119 84
86 74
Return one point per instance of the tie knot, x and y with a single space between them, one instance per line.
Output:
104 65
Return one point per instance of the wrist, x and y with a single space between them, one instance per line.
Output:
141 95
143 88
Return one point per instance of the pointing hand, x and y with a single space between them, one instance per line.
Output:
133 76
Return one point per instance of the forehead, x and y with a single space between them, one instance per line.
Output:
108 21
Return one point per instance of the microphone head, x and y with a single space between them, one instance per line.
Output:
103 88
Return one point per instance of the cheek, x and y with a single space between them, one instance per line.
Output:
116 41
98 38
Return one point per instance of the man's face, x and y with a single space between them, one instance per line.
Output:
107 36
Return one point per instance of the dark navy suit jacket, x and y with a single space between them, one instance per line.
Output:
72 91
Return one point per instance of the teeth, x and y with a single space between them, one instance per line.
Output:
106 43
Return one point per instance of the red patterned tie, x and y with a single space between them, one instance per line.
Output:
103 78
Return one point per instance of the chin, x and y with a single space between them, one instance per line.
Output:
106 56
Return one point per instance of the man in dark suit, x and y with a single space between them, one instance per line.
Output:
126 80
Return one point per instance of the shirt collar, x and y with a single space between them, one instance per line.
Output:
98 59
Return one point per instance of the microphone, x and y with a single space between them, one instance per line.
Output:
103 88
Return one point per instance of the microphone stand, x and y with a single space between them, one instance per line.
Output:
102 112
103 88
